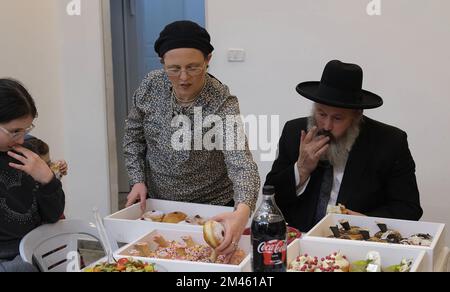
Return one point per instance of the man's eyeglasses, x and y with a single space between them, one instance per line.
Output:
17 134
190 70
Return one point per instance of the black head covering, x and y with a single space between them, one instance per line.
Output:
183 34
341 86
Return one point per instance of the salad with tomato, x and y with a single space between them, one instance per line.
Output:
123 266
292 234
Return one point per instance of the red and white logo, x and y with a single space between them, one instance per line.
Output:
271 251
273 246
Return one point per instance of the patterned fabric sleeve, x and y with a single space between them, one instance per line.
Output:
134 143
242 169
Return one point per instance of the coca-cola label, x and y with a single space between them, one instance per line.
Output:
273 251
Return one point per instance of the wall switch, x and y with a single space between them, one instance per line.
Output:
236 55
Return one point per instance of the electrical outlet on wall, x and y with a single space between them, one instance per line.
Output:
236 55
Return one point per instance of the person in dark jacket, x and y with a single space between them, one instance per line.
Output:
30 194
339 156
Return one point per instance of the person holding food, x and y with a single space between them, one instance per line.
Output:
30 194
340 156
42 149
185 91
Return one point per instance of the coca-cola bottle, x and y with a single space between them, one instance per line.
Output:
269 235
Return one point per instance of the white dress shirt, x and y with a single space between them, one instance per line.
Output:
338 174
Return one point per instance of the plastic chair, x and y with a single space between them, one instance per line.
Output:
54 247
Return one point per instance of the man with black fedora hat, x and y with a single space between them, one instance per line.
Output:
339 156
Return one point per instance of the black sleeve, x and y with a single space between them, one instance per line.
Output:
51 201
282 175
402 194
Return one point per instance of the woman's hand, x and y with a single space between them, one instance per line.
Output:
138 192
234 224
32 165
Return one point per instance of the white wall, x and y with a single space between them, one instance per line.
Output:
404 53
83 91
29 52
60 60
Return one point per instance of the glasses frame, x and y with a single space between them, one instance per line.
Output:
193 71
19 134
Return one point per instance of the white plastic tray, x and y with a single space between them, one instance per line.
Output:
407 228
187 266
390 254
125 225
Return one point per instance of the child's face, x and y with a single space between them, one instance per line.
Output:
46 158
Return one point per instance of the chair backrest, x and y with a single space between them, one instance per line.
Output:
54 247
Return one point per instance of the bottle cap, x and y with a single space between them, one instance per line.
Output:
268 190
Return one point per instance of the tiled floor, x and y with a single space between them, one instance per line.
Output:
90 252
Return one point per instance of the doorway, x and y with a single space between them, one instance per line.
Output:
135 26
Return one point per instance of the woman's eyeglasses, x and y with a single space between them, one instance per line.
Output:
19 133
190 70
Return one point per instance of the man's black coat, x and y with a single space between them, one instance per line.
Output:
379 178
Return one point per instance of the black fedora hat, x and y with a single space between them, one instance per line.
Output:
341 86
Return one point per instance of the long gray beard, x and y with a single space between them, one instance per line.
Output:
339 150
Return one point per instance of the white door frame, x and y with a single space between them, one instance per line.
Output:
110 111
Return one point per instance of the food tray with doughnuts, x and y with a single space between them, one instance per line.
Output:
128 224
372 231
312 255
186 251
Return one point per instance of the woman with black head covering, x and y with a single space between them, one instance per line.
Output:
177 144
